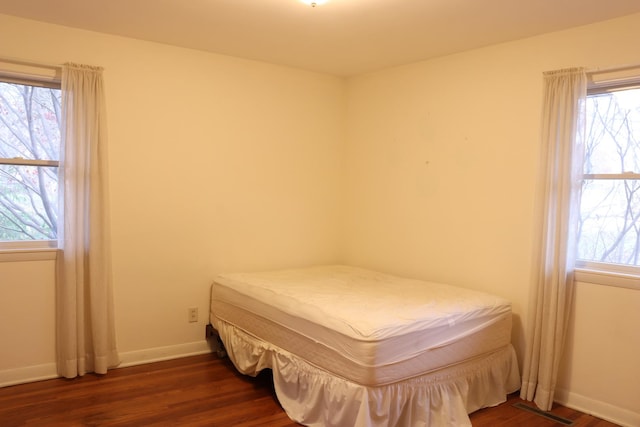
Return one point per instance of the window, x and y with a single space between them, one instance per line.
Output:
609 224
29 153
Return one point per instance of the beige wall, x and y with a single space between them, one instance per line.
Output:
26 320
426 170
441 162
216 164
600 368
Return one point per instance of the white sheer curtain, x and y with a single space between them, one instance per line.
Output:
85 331
558 210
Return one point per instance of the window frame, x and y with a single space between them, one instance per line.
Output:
22 250
619 276
602 273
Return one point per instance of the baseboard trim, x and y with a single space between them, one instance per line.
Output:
28 374
158 354
603 410
47 371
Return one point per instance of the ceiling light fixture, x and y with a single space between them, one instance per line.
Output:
314 3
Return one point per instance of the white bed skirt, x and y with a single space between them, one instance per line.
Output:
314 397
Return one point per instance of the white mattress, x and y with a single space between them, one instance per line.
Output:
364 326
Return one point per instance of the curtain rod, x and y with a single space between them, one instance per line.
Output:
612 69
29 63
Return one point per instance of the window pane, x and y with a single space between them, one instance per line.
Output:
29 122
28 203
613 132
610 221
30 129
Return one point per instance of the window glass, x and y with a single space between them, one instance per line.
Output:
613 132
29 153
609 227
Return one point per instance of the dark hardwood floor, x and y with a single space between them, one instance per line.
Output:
194 391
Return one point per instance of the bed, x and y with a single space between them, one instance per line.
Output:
354 347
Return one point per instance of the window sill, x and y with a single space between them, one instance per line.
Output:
19 255
607 278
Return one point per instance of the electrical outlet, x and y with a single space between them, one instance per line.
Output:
193 314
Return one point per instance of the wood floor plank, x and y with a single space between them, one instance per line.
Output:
194 391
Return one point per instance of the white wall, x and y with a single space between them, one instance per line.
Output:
441 162
216 164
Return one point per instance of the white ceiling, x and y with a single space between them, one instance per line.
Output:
342 37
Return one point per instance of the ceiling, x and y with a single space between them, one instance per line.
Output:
341 37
